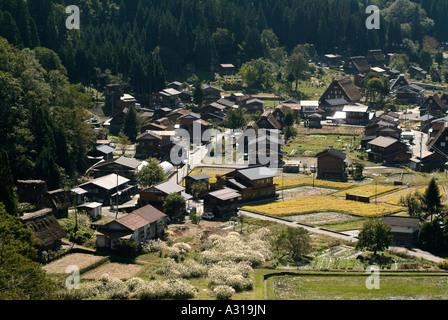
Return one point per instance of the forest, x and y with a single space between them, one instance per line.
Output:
45 67
147 42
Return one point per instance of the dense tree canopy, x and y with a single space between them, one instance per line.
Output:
147 40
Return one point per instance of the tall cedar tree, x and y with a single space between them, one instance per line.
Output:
7 193
130 124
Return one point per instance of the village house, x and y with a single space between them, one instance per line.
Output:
101 152
226 69
252 182
267 121
434 106
168 97
356 114
126 167
331 164
211 94
174 115
403 229
314 121
200 177
376 58
155 144
309 107
140 225
332 106
213 110
107 189
332 60
339 93
428 162
439 142
46 228
192 120
265 148
174 85
356 65
222 202
388 151
280 113
156 195
116 100
58 201
417 73
404 92
292 166
153 127
161 113
115 123
254 106
31 191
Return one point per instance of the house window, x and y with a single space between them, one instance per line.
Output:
161 198
442 144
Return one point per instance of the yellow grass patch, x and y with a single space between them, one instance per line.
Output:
322 204
212 174
368 190
298 182
396 200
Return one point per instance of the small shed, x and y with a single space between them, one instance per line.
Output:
93 209
292 167
190 180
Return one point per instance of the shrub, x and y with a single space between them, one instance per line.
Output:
443 264
171 289
126 247
154 245
223 292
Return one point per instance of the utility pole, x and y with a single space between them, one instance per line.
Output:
421 151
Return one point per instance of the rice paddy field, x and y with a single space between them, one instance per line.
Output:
322 204
369 190
287 183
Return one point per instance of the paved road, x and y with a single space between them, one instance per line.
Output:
415 252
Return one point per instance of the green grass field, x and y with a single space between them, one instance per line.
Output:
332 286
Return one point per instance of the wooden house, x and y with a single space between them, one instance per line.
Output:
404 229
222 202
252 182
280 113
211 94
45 228
332 60
155 144
434 106
126 167
331 164
140 225
31 191
267 121
417 73
58 200
356 65
200 177
356 114
92 209
156 195
338 91
108 189
388 151
331 106
428 162
314 121
309 107
101 152
254 106
213 110
226 69
376 58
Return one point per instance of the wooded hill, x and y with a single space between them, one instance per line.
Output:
147 41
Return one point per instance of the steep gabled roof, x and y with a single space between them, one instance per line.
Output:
349 88
44 226
333 152
141 217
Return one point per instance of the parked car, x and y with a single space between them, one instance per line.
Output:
190 210
417 128
208 215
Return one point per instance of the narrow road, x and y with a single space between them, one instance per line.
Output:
297 225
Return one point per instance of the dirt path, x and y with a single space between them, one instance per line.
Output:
399 193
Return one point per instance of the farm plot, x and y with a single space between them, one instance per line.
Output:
82 260
121 271
322 204
369 190
340 258
322 218
287 183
